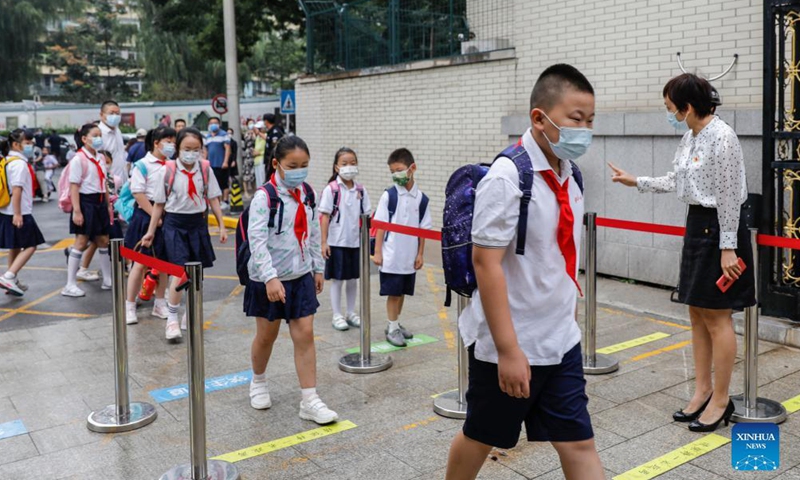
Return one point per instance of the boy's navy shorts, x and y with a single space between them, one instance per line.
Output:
397 284
554 412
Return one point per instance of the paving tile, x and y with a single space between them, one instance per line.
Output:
17 448
63 437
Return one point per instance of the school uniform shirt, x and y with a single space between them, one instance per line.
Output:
155 177
541 295
709 171
19 175
278 254
113 142
400 251
179 201
91 183
343 229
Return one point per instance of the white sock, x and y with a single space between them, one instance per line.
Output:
172 315
9 276
351 288
105 265
260 378
73 264
394 325
336 296
308 393
130 305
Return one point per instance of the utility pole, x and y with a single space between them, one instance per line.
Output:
232 78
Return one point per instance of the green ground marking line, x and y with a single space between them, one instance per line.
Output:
792 405
285 442
386 347
633 343
675 458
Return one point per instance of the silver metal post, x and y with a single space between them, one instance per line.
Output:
454 404
123 416
593 363
749 407
232 78
200 468
365 361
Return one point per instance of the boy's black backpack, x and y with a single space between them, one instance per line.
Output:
275 204
459 205
391 206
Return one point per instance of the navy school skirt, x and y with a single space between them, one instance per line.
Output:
301 300
186 239
137 228
96 222
344 264
26 236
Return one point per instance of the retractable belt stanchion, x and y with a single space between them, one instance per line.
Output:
200 468
593 363
365 361
123 416
454 404
749 407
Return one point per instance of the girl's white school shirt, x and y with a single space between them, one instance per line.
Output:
19 175
91 184
179 201
343 228
155 176
276 254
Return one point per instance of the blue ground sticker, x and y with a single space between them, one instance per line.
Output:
756 447
212 385
12 429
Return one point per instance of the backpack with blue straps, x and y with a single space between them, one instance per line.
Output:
459 205
126 202
391 207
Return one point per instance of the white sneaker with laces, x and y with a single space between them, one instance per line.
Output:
173 330
315 410
105 286
353 320
160 310
11 286
130 315
183 321
339 323
72 291
88 275
259 396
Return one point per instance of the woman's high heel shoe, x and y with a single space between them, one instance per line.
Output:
697 426
681 416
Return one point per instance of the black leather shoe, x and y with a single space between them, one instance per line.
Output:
681 416
697 426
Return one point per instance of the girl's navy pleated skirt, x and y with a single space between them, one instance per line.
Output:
137 228
96 222
27 236
186 239
700 264
343 264
301 300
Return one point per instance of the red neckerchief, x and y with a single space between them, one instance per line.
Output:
100 174
34 183
566 222
192 187
300 219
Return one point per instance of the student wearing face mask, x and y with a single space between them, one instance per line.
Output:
110 118
148 176
343 202
18 230
709 175
188 190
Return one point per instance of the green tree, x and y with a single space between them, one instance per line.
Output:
277 58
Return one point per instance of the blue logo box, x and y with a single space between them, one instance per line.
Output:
756 447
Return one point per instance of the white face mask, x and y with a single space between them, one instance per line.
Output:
348 172
189 158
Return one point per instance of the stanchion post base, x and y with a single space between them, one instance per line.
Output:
603 364
377 363
217 470
447 405
766 411
107 421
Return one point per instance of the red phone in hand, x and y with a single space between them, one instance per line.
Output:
725 283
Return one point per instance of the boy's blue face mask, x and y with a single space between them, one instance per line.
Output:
572 142
673 120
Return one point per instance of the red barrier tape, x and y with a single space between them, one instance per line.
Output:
153 262
780 242
640 226
414 232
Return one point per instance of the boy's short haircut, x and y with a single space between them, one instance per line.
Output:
401 155
180 120
554 81
214 118
108 103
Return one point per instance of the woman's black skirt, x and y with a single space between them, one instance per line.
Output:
96 222
186 239
26 236
700 264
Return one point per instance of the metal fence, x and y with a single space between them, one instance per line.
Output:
371 33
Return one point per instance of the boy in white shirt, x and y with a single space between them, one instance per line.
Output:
525 362
400 256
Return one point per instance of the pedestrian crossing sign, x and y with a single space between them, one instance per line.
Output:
288 104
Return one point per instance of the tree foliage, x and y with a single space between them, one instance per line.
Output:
276 58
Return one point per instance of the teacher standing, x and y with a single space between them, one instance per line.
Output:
709 176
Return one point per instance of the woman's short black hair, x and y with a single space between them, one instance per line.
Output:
689 89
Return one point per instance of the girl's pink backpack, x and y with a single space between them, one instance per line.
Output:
64 201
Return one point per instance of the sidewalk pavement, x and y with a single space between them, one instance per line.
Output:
53 376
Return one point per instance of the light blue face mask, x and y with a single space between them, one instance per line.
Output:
168 149
97 143
293 178
673 120
213 128
572 142
112 120
27 150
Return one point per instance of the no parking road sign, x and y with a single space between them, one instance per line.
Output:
220 104
288 103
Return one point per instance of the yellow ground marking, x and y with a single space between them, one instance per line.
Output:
675 458
422 423
666 349
49 269
230 222
227 249
792 405
444 322
635 342
49 314
27 306
437 395
649 319
234 293
221 277
285 442
61 245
